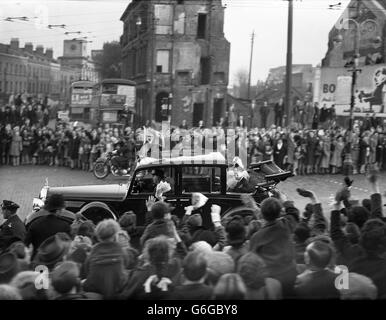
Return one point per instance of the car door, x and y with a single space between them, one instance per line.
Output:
141 188
202 179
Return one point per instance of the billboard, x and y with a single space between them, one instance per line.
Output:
370 91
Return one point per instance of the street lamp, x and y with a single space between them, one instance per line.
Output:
348 164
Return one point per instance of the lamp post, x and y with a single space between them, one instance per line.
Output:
348 163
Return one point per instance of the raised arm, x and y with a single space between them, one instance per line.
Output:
376 198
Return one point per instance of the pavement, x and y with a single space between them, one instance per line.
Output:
22 184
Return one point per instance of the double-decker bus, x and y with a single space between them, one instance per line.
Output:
81 107
115 97
110 101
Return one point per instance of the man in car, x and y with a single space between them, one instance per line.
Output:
121 160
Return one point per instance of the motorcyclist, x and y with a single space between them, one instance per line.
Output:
122 157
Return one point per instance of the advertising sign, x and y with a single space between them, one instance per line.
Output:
370 91
81 98
105 100
129 93
117 100
64 116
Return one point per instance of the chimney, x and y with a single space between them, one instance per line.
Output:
39 49
49 53
15 43
28 47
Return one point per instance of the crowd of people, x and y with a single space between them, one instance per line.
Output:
268 252
319 147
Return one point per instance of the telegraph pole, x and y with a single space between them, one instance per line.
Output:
250 64
288 99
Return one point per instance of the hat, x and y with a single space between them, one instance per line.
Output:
9 205
128 219
253 270
54 202
195 220
160 208
202 246
18 249
220 263
86 228
9 267
236 233
359 288
65 277
107 229
52 250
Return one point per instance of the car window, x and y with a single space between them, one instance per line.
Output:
201 179
144 182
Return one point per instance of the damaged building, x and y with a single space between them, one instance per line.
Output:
177 53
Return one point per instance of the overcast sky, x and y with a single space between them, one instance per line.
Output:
99 21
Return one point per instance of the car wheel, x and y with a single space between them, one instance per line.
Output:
96 214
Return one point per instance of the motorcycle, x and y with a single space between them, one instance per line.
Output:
103 167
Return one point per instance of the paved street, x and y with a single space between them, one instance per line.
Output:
22 184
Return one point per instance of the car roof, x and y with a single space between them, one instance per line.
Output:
212 159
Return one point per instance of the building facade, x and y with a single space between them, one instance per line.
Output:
75 56
178 55
35 73
361 29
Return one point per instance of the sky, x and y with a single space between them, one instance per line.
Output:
98 20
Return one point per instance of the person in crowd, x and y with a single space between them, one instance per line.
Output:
273 243
105 266
193 285
12 229
230 286
49 222
254 273
279 112
237 244
66 283
317 282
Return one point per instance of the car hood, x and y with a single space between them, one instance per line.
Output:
98 192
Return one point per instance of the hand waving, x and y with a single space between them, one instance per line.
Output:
150 202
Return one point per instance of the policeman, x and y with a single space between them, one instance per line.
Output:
12 229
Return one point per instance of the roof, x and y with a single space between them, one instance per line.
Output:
118 81
83 83
214 158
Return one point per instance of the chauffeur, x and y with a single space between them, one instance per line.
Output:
12 229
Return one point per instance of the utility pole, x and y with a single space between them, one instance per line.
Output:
348 165
288 99
250 64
